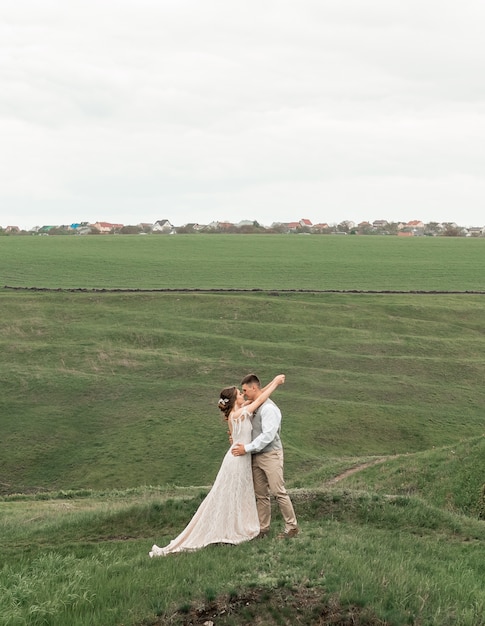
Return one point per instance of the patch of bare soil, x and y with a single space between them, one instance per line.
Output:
270 607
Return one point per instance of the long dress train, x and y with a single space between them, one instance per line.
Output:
228 513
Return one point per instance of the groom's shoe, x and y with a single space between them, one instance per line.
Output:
289 534
262 534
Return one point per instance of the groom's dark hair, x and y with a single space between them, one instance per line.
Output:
251 379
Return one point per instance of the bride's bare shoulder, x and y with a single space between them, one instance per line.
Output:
240 414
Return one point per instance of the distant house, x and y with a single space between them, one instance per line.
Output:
380 224
43 230
226 226
475 231
320 228
304 223
106 227
163 226
415 224
223 227
12 229
365 228
81 228
414 228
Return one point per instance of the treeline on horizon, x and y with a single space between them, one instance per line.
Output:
430 229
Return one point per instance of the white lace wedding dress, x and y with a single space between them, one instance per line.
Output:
228 513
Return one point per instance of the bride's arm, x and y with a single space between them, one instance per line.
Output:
250 407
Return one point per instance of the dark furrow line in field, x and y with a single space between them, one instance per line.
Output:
240 290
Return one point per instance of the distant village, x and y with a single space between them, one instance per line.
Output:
414 228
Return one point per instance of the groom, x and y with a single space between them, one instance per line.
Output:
267 461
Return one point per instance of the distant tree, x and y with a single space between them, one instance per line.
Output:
278 228
316 230
452 231
303 229
432 229
188 229
60 230
130 230
366 229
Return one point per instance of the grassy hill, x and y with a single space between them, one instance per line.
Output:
450 477
111 435
120 390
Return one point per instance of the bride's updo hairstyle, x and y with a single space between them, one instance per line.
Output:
227 400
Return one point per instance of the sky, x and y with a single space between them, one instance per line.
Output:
131 111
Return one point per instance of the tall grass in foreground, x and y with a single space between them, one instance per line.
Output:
398 559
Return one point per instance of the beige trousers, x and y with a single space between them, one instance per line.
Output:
268 478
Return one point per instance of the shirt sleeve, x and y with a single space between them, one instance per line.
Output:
270 421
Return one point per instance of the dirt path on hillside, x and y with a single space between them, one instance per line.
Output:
355 469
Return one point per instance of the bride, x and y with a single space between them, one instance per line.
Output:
228 513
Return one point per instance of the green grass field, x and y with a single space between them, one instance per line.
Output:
244 262
111 435
103 383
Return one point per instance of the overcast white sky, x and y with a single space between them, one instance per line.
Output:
132 111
